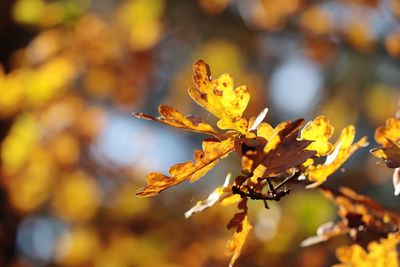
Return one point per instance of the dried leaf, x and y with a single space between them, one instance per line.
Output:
211 200
282 152
319 131
390 154
234 245
205 160
342 150
361 216
382 253
220 98
389 132
174 118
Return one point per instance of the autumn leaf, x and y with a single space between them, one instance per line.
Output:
174 118
220 98
212 198
382 253
389 136
389 133
342 150
235 244
282 151
390 154
205 160
319 131
359 216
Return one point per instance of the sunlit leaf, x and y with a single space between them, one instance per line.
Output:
382 253
342 150
389 153
319 131
234 245
204 161
390 131
172 117
220 98
360 217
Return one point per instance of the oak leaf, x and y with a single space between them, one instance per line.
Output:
319 131
342 150
389 133
390 154
382 253
360 217
282 151
170 116
220 98
235 244
205 160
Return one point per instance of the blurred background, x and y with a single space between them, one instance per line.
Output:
72 156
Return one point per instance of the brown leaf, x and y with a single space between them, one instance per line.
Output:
390 154
282 151
204 160
361 217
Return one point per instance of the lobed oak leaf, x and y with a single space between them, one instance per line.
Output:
319 131
389 133
211 200
170 116
382 253
204 160
235 244
360 216
220 98
390 154
342 150
282 151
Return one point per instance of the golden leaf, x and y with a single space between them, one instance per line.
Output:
342 150
218 97
204 161
391 131
390 154
319 131
382 253
235 244
174 118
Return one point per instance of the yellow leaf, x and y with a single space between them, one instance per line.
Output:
378 254
235 244
203 162
342 150
391 131
390 154
220 98
174 118
319 131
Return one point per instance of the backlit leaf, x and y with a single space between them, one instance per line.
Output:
204 160
319 131
174 118
390 131
220 98
342 150
382 253
234 245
